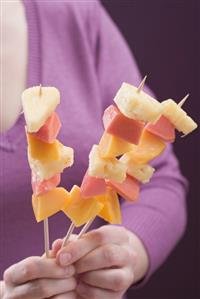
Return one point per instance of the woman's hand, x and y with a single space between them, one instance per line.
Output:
38 278
107 260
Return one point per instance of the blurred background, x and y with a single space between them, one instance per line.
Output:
164 37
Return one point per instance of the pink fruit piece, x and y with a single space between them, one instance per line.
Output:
121 126
40 187
163 128
49 131
92 186
128 189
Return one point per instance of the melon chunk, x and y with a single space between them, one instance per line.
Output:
47 169
178 117
111 146
128 189
40 187
49 131
111 208
137 105
163 128
105 168
49 203
92 186
80 210
121 126
43 151
38 104
149 148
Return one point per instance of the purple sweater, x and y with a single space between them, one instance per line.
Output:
76 47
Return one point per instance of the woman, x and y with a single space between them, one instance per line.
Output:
75 46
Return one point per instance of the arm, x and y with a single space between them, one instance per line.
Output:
159 218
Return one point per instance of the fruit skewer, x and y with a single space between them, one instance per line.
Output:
46 155
150 146
120 147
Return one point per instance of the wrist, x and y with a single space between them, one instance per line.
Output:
142 261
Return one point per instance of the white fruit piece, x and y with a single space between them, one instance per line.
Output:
106 168
142 172
46 170
137 105
178 117
38 104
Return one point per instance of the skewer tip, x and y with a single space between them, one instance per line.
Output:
182 102
140 87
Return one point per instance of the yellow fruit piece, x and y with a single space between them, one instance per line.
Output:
47 169
150 147
43 151
111 146
137 105
38 104
178 117
106 168
49 203
111 211
141 172
80 210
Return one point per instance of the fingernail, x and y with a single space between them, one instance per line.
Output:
64 259
56 242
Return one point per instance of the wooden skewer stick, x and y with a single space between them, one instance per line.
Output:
85 228
46 237
40 90
182 102
140 87
69 232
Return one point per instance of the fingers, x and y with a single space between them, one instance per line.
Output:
79 248
34 268
44 288
108 255
110 279
56 246
69 295
89 292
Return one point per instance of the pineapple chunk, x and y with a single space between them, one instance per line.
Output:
142 172
178 117
106 168
46 170
38 104
137 105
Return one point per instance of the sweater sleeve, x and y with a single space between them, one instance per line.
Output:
159 217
